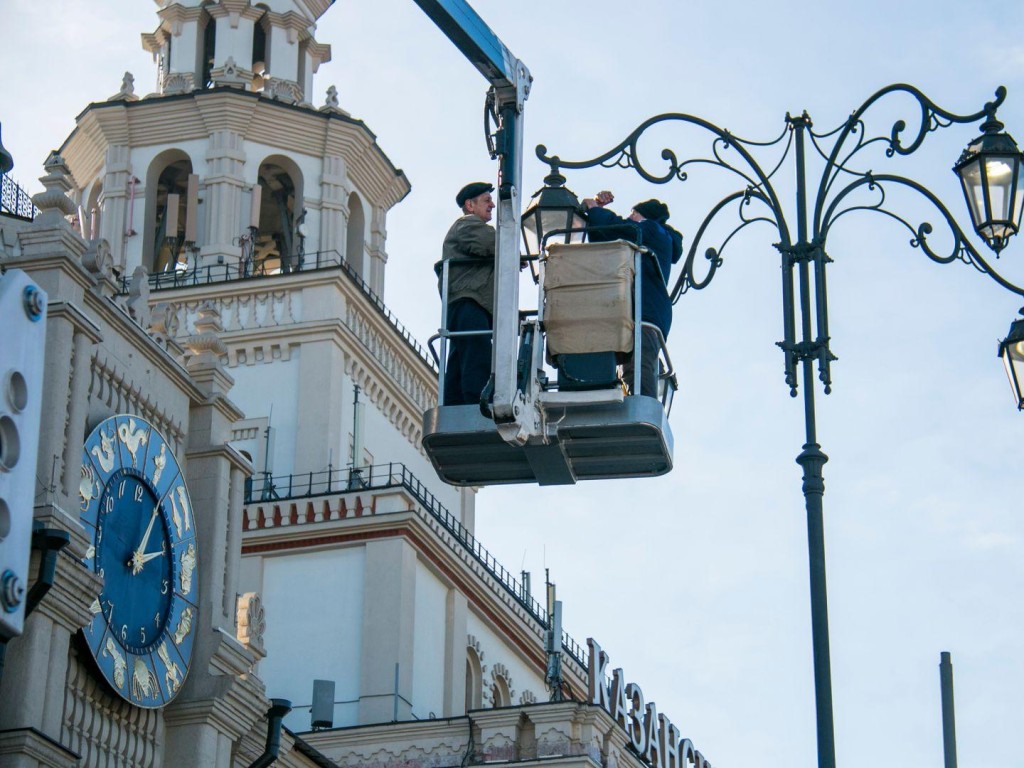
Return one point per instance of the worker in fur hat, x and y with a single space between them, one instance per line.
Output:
471 243
647 225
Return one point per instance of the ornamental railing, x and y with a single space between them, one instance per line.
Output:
311 262
381 477
14 200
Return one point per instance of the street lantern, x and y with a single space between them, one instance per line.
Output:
552 209
989 170
1011 349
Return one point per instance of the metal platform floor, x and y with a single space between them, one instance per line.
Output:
629 438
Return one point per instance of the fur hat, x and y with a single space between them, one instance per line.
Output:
471 190
652 209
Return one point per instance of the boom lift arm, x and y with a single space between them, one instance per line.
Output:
513 409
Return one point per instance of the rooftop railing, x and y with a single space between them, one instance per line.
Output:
383 476
14 200
311 262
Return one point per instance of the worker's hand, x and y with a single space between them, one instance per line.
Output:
604 197
589 202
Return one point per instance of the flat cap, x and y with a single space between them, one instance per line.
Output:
471 190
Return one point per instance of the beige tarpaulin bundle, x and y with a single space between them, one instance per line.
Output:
588 297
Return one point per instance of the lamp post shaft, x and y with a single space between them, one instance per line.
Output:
948 716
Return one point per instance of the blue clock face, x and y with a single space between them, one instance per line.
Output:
135 505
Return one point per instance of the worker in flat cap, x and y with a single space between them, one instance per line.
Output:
470 245
647 225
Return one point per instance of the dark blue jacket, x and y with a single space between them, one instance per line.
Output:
655 306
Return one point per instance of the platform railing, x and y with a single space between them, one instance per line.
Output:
394 475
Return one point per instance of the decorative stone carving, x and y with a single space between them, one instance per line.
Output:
138 297
287 91
127 92
163 325
99 260
178 82
54 204
527 697
251 622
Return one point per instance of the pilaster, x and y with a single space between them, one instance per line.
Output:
225 183
387 631
114 201
334 191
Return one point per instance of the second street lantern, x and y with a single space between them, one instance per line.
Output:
989 170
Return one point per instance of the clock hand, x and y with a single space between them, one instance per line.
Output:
151 555
137 558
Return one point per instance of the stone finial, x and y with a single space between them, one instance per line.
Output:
206 342
138 297
231 74
53 203
252 623
127 92
331 105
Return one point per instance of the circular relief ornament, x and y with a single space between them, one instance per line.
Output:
136 510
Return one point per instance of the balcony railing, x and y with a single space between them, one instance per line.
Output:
320 260
14 200
383 476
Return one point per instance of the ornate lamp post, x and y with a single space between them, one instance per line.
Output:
989 170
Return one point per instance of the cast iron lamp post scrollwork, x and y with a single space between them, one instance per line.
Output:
989 170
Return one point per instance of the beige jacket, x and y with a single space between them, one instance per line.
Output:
470 237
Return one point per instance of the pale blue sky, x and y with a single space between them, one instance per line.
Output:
696 583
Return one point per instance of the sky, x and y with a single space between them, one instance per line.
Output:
696 583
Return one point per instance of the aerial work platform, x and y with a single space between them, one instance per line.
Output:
578 423
624 437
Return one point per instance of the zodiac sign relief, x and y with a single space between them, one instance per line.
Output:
120 665
184 626
159 462
132 438
188 565
104 452
180 518
88 487
144 684
172 676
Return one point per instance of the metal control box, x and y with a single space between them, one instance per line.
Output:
22 350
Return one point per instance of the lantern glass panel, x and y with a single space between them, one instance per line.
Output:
974 191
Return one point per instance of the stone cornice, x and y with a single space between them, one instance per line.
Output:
226 452
174 15
179 118
37 747
296 24
62 310
237 8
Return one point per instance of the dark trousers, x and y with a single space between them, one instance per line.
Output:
469 361
650 368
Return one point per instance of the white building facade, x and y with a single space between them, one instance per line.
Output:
215 257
